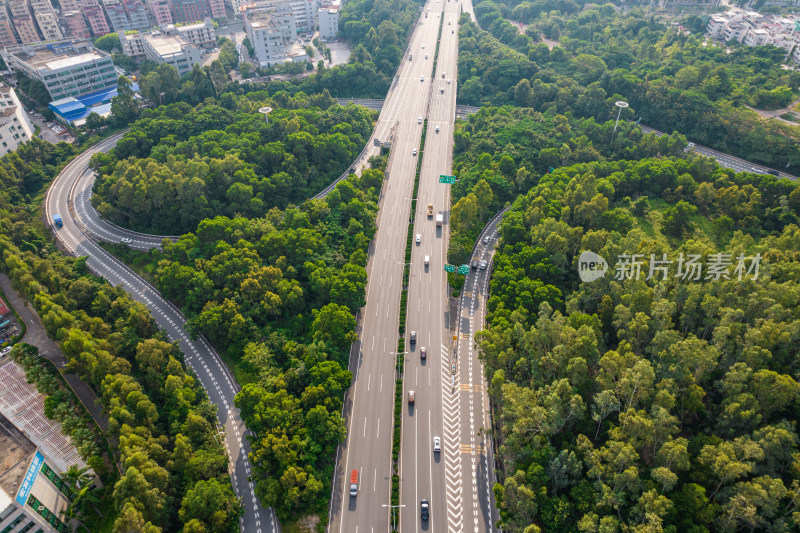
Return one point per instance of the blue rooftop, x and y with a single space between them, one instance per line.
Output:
70 109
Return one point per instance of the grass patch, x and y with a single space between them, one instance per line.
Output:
143 263
791 117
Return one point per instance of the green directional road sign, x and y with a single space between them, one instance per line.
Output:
447 179
463 269
449 268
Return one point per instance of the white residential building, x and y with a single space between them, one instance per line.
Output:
271 31
171 47
328 17
200 34
756 37
754 29
15 126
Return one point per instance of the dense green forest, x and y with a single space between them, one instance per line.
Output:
180 164
161 424
500 153
656 402
277 295
672 80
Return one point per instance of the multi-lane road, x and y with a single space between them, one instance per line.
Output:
417 97
69 196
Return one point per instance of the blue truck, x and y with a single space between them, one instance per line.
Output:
57 220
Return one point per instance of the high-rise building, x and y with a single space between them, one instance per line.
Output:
47 20
328 17
137 14
96 16
217 8
304 11
23 21
76 24
270 30
190 10
66 68
15 126
160 11
7 36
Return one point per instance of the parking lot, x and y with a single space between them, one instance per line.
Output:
50 131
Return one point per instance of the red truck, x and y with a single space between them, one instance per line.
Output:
354 483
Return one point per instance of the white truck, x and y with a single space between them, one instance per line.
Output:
439 220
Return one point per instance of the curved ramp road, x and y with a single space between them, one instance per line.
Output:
200 356
81 179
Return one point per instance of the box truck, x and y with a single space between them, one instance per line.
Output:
439 219
353 482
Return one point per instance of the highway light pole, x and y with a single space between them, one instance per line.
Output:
394 526
621 105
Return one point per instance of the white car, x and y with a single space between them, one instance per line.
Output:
423 47
126 240
437 444
486 240
437 129
419 120
419 238
5 351
427 260
414 152
422 78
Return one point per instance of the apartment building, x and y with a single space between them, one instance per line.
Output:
7 35
328 18
23 21
96 16
190 10
76 24
126 14
160 11
270 30
46 19
66 68
170 47
200 34
15 126
217 8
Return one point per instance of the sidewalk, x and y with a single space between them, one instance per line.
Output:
37 336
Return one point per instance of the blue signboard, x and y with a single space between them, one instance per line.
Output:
30 477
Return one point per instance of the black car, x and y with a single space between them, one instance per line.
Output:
774 172
423 509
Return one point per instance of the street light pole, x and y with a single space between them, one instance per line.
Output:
394 525
621 105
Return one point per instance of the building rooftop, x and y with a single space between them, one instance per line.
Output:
55 55
260 19
165 44
14 461
22 404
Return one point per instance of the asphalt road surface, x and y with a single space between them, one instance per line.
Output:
415 95
200 356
